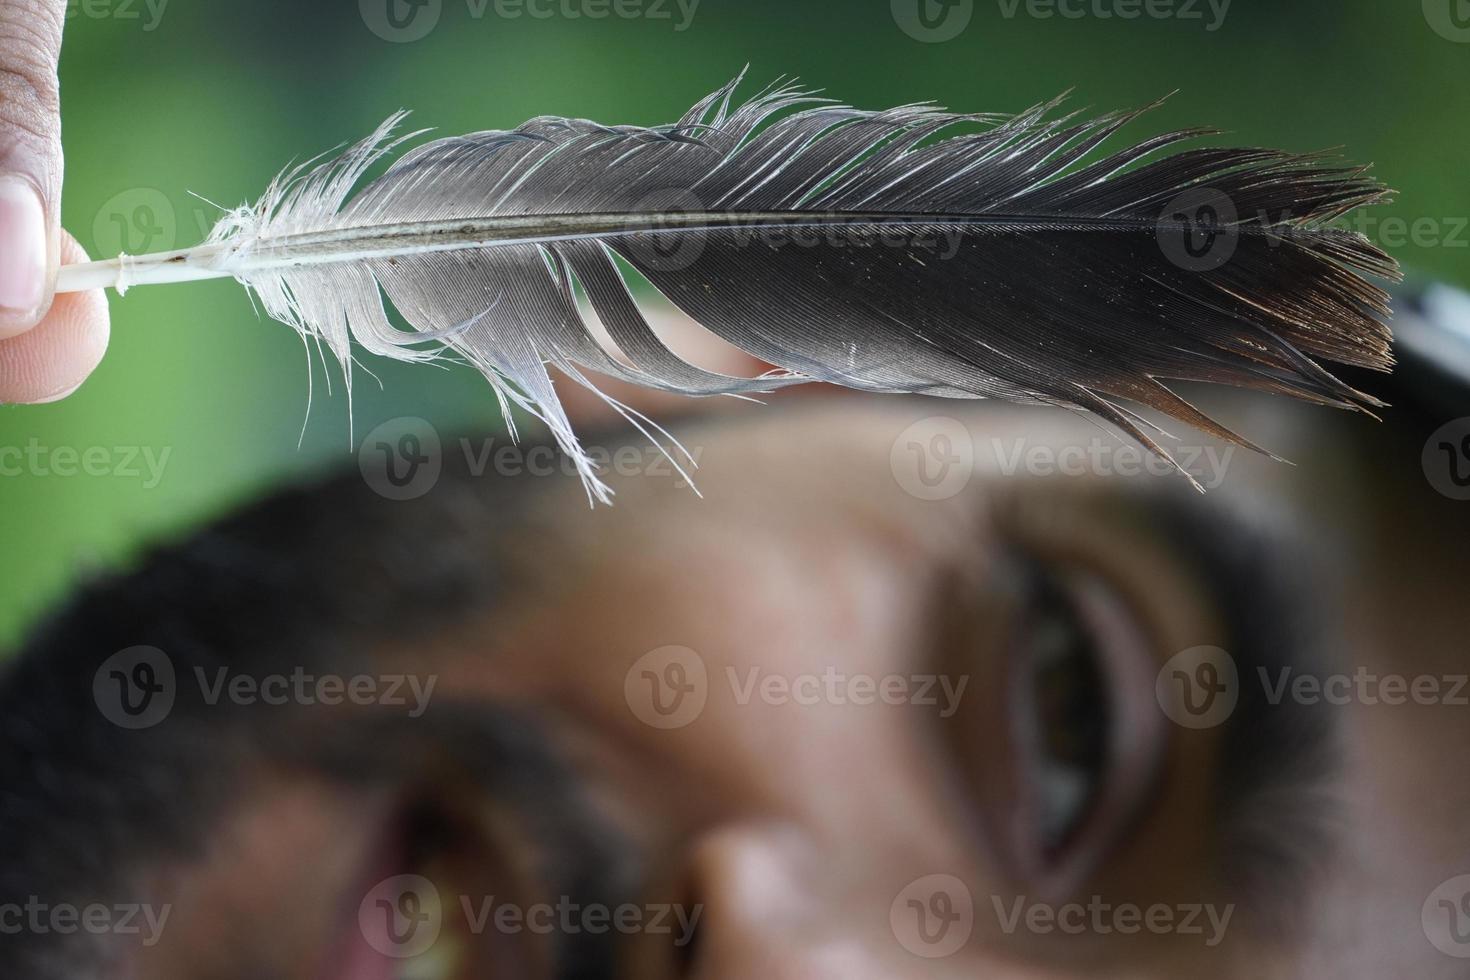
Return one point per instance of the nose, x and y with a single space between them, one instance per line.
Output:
772 911
767 903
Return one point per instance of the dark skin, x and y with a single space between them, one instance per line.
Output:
792 822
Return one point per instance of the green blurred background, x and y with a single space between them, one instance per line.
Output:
213 98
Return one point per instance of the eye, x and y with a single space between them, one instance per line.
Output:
1064 743
1084 734
439 867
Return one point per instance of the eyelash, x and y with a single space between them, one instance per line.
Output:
1058 693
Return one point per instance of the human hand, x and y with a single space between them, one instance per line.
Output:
48 344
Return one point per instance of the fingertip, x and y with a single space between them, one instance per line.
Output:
52 360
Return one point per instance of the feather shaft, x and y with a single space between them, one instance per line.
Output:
346 245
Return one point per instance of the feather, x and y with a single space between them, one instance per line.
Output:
909 250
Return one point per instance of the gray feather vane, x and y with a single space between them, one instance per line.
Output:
909 250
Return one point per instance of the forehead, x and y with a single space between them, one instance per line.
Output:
914 473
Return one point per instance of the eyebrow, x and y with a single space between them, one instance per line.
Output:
1280 757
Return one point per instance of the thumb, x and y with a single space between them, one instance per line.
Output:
30 160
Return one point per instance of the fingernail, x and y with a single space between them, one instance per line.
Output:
23 248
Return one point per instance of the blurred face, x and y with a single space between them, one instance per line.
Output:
900 696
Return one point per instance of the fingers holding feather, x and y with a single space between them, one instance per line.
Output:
52 360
